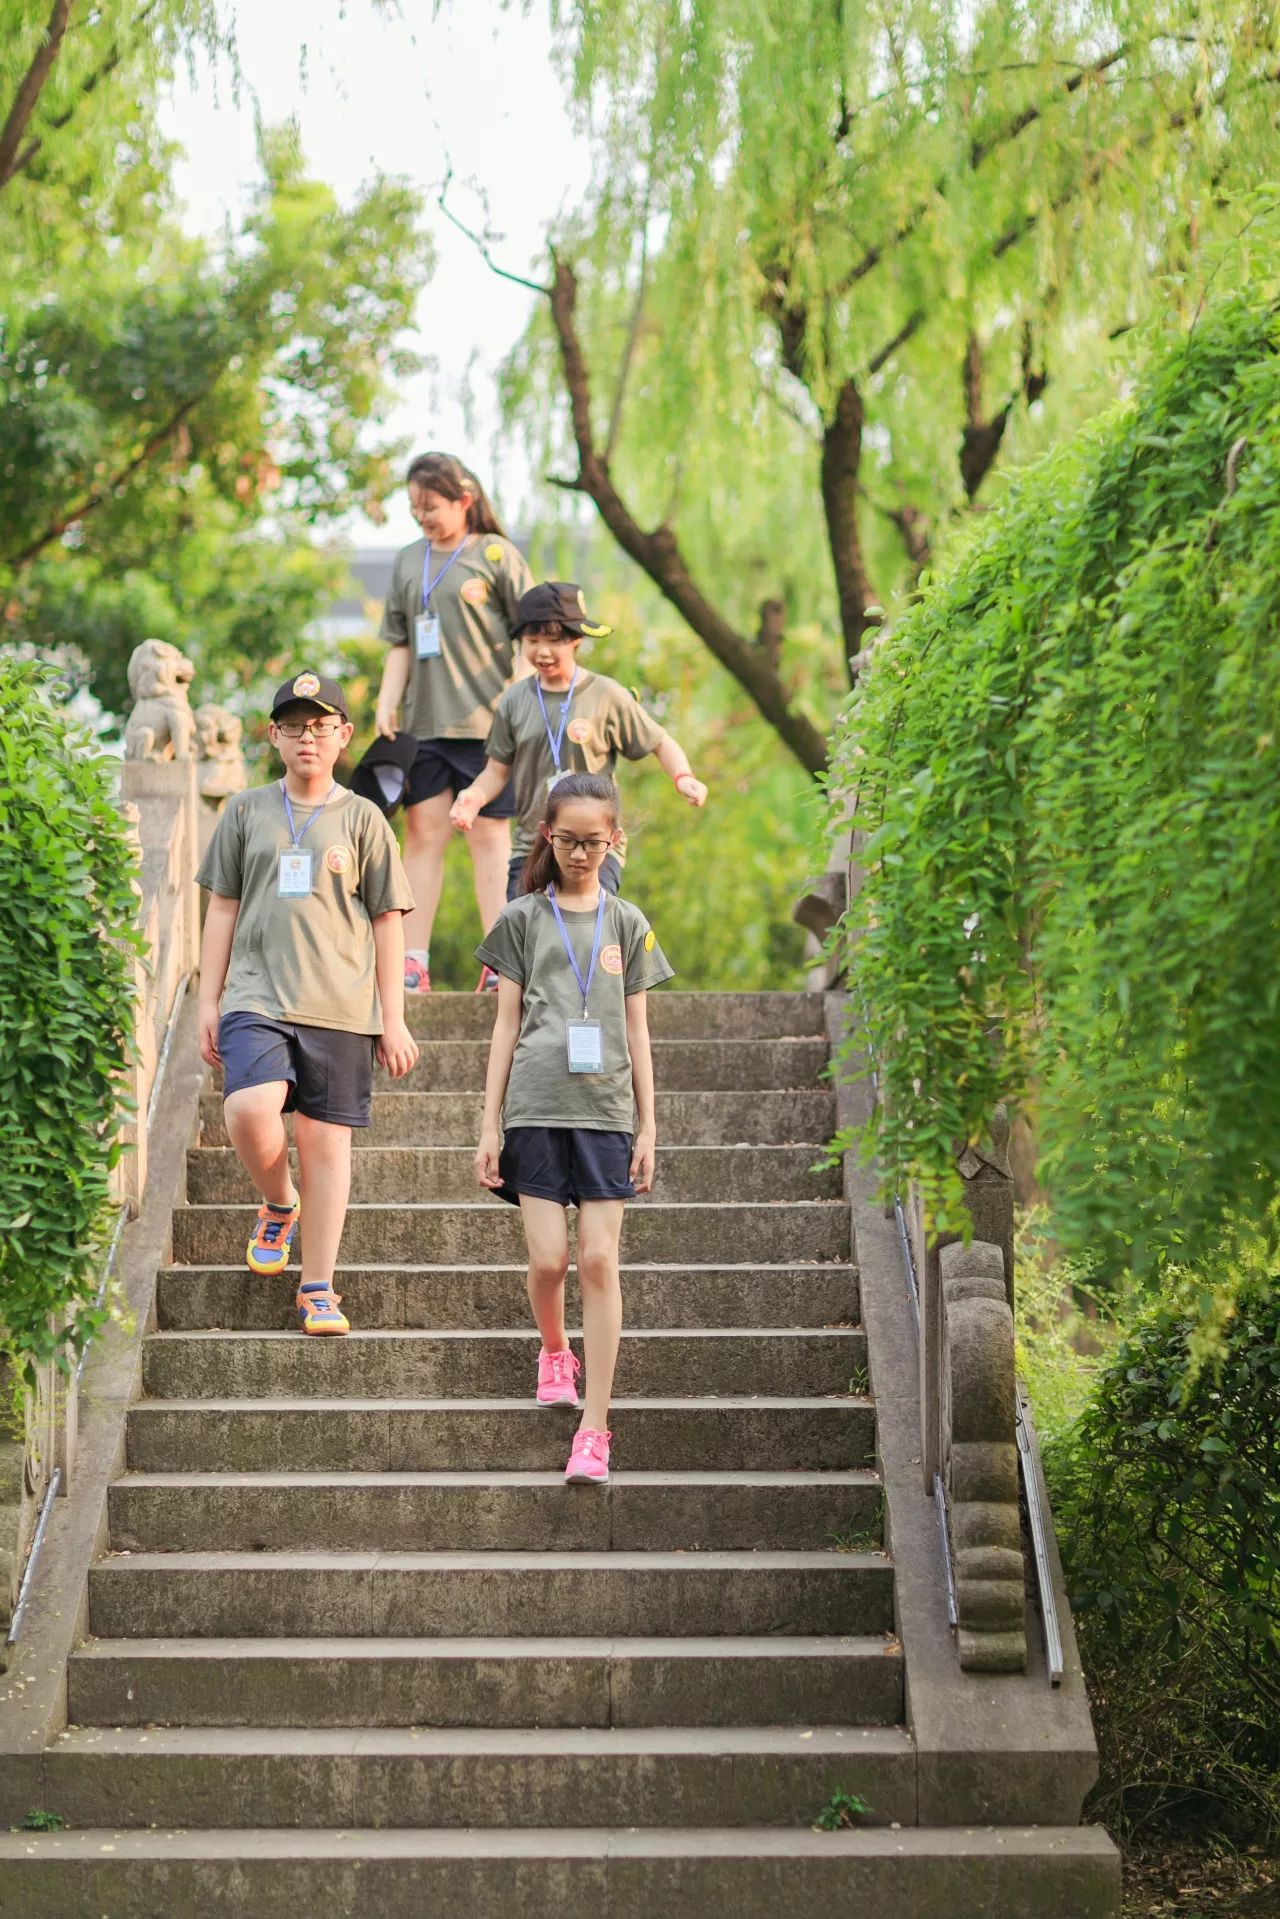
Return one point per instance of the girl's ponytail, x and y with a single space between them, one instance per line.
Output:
444 473
540 868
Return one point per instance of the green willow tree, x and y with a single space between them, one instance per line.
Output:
176 417
835 259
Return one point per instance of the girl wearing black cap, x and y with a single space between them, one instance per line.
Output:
448 626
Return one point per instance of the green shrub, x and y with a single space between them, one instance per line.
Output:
67 917
1066 758
1167 1501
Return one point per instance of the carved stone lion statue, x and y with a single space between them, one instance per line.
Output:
221 772
161 725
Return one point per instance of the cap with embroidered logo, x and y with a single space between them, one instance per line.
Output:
559 600
310 689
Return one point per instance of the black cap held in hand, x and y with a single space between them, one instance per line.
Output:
557 600
310 689
382 772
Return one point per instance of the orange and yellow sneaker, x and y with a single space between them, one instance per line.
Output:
319 1308
268 1249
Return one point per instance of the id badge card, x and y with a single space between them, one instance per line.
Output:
426 636
586 1045
554 779
294 880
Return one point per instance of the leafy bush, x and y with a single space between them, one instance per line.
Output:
1167 1500
1066 759
67 916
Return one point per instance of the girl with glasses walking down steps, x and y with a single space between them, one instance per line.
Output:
570 1075
448 623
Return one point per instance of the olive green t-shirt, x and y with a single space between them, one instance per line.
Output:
524 945
453 697
309 960
604 720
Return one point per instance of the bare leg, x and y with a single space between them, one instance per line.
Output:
324 1174
426 835
490 842
599 1230
546 1228
255 1127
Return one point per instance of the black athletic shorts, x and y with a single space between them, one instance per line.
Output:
610 875
565 1163
330 1074
446 766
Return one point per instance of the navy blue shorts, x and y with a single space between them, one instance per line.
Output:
330 1074
565 1163
446 766
610 875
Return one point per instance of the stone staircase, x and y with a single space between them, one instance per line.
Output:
355 1648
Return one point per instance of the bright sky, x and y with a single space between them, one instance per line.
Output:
473 87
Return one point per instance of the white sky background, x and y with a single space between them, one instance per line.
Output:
474 87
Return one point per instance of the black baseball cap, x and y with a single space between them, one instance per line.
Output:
310 689
557 600
382 772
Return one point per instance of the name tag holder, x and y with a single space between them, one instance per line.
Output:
584 1037
426 637
585 1044
293 882
556 741
296 866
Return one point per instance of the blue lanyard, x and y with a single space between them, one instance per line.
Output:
294 834
558 741
584 985
428 584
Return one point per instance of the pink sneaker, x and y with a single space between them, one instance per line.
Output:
556 1374
416 977
589 1459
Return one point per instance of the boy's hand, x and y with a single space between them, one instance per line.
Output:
486 1161
207 1026
465 809
384 720
642 1155
397 1049
691 789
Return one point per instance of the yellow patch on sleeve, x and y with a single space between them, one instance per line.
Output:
493 554
650 940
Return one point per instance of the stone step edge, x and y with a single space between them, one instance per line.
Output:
835 1267
731 1402
362 1560
354 1481
246 1845
288 1743
324 1651
791 1146
489 1335
488 1206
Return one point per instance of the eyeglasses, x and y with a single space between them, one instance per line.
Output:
319 729
565 843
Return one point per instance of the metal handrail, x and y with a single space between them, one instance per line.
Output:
24 1590
1053 1653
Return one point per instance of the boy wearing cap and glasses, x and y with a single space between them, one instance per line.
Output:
564 719
302 982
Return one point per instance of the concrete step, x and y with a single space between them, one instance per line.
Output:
679 1065
702 1873
481 1512
789 1231
486 1682
224 1595
474 1777
389 1175
684 1119
492 1365
496 1435
464 1297
672 1015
